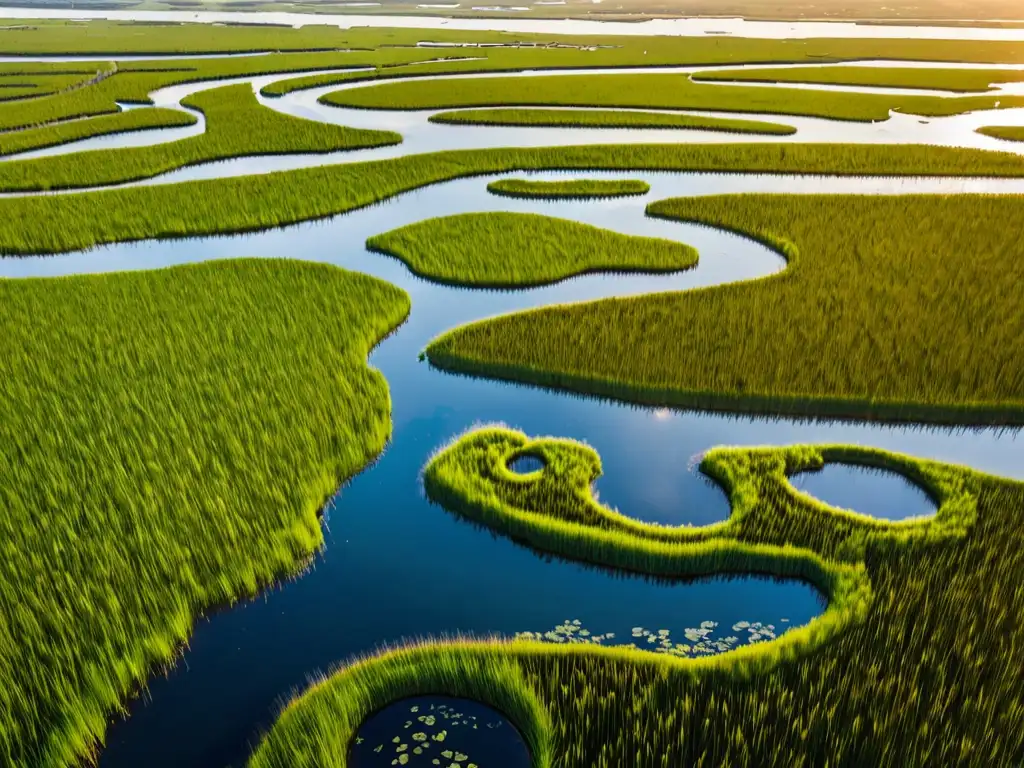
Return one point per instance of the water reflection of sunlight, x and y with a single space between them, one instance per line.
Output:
661 414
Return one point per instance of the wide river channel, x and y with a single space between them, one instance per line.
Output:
396 567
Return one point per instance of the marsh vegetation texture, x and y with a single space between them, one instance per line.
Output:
141 491
169 437
922 282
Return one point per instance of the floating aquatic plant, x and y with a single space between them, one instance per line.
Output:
700 640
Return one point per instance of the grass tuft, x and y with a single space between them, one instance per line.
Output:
505 250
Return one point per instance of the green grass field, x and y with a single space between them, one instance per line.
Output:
1007 133
898 591
47 224
132 458
572 188
119 122
922 283
652 91
562 118
507 250
236 125
961 80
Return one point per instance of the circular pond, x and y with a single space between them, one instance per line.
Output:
438 730
880 493
525 464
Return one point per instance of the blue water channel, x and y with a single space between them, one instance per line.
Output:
395 566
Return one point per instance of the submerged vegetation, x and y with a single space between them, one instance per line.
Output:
236 125
603 118
914 596
573 188
501 250
922 283
131 457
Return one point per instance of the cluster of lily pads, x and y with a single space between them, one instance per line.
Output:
430 728
700 641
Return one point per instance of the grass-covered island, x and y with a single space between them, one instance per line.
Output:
608 118
568 188
140 490
1006 133
922 284
507 250
897 591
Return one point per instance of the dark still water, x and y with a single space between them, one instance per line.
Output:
438 730
396 567
879 493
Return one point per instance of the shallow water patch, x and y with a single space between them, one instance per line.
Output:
438 731
876 492
525 463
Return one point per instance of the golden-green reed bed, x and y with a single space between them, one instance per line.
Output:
570 188
111 37
961 80
104 125
24 86
903 308
653 91
387 54
905 622
1007 133
506 250
236 125
46 224
603 118
140 486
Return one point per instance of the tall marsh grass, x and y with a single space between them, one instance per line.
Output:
571 188
912 641
168 438
605 118
46 224
964 80
901 308
236 125
1006 133
502 250
654 91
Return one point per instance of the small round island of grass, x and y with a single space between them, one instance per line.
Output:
568 189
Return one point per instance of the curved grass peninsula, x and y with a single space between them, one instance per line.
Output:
924 78
1006 133
896 591
607 118
246 203
653 91
236 125
570 189
508 250
131 457
891 267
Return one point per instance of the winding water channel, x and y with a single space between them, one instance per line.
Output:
395 567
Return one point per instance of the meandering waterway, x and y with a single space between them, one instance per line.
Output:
396 567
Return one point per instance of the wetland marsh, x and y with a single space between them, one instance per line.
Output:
566 644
